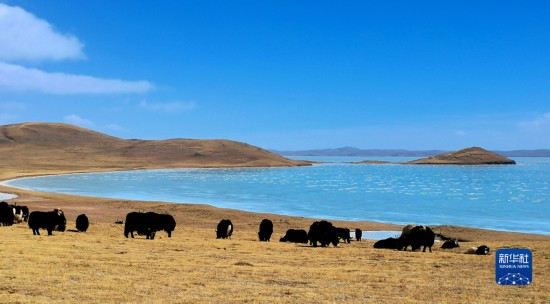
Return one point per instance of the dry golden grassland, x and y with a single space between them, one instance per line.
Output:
101 266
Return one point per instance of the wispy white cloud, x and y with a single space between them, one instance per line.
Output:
26 37
536 123
168 107
78 121
19 78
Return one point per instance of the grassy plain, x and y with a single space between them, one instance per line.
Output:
101 266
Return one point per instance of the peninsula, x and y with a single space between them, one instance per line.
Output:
55 147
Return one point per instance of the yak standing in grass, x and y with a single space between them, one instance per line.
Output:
6 214
148 224
417 237
164 222
82 223
422 236
137 221
224 229
358 234
344 234
13 214
324 233
52 220
266 230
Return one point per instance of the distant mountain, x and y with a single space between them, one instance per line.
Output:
525 153
351 151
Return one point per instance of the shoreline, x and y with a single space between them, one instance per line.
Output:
43 200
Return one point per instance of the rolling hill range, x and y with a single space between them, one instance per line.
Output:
53 147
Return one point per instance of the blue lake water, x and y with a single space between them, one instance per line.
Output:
510 198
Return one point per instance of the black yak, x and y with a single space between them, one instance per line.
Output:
224 229
160 222
6 214
52 220
389 243
417 237
148 224
324 233
266 230
481 250
450 244
344 234
295 236
358 234
82 223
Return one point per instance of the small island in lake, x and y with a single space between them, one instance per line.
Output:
468 156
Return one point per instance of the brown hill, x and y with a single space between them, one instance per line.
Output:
468 156
52 147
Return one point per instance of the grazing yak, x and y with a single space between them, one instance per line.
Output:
481 250
82 223
266 230
358 234
148 224
7 215
389 243
224 229
344 234
51 220
450 244
12 214
324 233
164 222
295 236
417 237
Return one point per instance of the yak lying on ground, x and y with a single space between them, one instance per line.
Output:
481 250
417 237
51 220
344 234
324 233
450 244
295 236
389 243
148 224
266 230
224 229
358 234
82 223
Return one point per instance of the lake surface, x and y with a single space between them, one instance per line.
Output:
509 198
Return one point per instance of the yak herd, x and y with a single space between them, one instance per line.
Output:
321 233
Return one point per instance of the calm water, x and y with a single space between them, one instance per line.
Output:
513 198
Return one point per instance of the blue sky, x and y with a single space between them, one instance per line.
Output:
284 75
